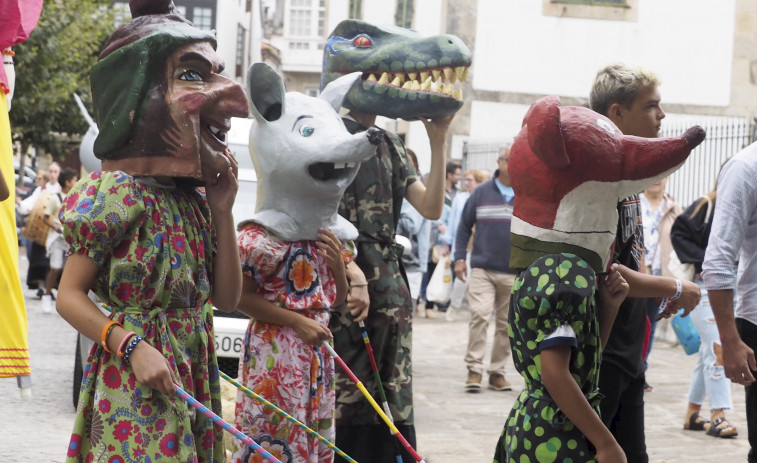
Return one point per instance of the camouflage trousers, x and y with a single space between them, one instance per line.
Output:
389 327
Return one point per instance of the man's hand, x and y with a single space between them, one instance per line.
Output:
358 302
461 270
738 362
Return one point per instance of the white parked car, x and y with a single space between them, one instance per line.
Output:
229 329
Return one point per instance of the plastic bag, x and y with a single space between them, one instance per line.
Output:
680 270
440 284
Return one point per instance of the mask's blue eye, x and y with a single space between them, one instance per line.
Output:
190 75
306 130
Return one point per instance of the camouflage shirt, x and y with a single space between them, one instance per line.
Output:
373 203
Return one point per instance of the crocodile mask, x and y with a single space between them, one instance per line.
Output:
405 75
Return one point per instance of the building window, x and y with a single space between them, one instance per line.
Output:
182 10
611 10
311 91
202 18
307 18
241 34
356 9
403 17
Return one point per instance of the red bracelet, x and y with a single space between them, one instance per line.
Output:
123 343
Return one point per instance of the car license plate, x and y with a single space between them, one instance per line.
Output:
228 345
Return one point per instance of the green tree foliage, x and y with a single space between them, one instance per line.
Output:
51 66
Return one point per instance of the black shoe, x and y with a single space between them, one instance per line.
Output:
40 293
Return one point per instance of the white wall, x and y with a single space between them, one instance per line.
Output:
688 43
229 13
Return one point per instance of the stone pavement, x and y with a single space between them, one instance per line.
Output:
452 425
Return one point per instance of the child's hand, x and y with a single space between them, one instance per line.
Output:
613 289
330 248
612 453
222 190
311 332
437 129
152 369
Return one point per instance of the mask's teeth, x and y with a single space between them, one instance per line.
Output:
464 75
459 71
448 74
424 76
384 79
350 165
412 75
436 73
396 82
436 87
340 165
371 78
407 85
426 85
415 85
400 76
458 94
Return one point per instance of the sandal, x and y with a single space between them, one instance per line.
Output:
722 428
696 423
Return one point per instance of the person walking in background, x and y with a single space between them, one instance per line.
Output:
451 180
471 179
689 236
658 211
56 245
733 238
629 96
489 209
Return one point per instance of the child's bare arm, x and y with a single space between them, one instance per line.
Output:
150 367
567 395
256 306
613 289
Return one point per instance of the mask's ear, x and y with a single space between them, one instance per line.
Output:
337 89
545 133
266 90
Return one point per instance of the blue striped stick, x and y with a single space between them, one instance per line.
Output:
224 425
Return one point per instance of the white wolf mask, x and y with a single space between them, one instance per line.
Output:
304 157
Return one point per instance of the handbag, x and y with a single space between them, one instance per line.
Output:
36 229
684 329
440 285
680 270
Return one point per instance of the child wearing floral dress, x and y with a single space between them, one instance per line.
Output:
288 288
152 234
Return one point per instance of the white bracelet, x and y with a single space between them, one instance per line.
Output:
679 290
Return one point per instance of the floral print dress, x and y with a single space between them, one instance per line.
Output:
276 363
153 245
555 292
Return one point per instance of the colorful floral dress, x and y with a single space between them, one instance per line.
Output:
276 363
556 291
153 245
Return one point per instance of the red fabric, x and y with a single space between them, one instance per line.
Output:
19 18
647 333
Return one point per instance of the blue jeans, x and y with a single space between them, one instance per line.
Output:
709 377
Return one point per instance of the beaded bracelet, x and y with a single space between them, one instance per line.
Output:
8 52
130 348
679 290
106 333
123 343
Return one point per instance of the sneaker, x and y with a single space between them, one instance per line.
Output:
449 315
499 383
430 313
47 304
473 383
420 309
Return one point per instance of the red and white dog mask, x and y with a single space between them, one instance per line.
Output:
569 166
